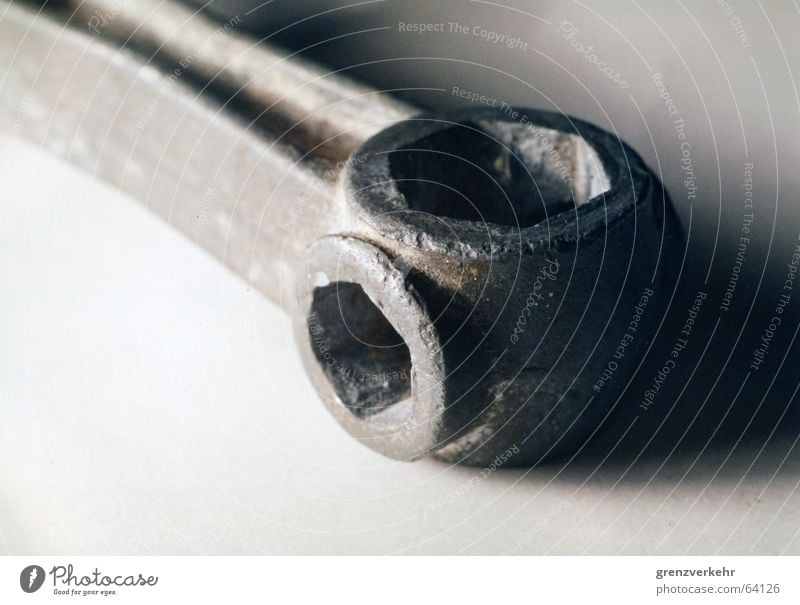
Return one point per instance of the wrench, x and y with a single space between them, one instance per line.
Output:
462 285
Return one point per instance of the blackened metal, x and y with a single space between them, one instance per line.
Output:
511 255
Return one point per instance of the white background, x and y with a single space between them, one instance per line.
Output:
368 580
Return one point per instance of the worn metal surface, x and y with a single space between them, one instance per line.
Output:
509 259
321 114
458 283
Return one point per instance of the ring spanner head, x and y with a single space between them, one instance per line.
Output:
482 281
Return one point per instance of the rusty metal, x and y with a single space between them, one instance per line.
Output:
458 283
